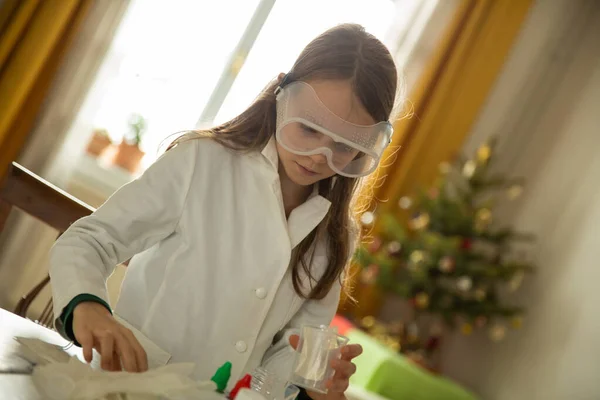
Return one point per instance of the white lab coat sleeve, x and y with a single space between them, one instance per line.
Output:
134 218
279 358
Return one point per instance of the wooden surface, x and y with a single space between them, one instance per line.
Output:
41 199
35 196
15 385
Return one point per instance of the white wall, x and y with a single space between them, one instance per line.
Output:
546 110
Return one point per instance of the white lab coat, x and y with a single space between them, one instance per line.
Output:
210 282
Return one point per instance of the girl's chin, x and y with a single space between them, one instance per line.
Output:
302 181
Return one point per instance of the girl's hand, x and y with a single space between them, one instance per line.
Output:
344 369
95 328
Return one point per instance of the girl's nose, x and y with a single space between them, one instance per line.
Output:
319 158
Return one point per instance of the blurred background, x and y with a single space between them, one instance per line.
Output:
477 274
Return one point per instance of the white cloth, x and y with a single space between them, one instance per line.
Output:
58 376
211 281
75 380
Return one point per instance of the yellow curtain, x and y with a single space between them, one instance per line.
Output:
447 100
34 37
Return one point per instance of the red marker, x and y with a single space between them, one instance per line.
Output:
242 383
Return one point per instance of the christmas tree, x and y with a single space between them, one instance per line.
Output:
443 251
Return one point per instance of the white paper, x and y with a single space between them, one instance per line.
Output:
39 352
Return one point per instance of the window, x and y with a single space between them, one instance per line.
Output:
292 25
177 61
164 62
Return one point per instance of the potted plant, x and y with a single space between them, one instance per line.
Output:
99 142
129 154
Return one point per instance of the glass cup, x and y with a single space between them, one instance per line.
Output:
317 348
271 386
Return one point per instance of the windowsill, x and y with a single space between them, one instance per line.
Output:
98 176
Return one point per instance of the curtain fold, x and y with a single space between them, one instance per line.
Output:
24 242
34 38
451 92
447 99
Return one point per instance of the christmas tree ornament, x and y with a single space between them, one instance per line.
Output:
433 193
417 257
484 215
515 282
480 294
394 248
466 329
469 169
483 218
516 322
432 343
514 192
464 283
375 245
369 275
394 345
420 221
367 218
405 202
480 321
422 300
368 322
484 153
497 332
466 244
446 264
444 168
412 334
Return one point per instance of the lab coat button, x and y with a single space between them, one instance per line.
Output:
261 293
241 346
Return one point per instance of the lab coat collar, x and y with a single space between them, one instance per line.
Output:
304 218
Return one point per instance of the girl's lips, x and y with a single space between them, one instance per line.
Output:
305 170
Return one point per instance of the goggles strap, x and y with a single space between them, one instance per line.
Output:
284 81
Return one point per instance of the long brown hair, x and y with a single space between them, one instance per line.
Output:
345 52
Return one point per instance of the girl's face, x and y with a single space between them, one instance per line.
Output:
338 97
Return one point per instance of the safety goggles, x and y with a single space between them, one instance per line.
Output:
305 126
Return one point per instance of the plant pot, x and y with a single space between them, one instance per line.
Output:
128 157
98 144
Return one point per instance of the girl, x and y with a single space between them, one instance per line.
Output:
241 232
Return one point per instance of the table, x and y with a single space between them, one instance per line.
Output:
17 386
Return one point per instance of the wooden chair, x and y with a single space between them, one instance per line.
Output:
33 195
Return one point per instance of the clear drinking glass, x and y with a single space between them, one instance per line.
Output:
318 346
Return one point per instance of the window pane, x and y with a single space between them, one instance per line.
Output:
292 25
164 63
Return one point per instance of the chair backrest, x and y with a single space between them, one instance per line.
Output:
33 195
